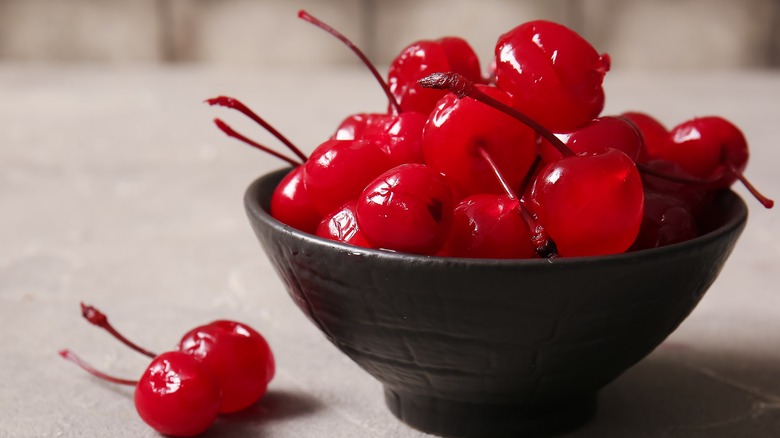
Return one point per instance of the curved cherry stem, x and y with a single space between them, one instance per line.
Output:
98 318
463 87
224 127
233 103
543 245
315 21
69 355
766 202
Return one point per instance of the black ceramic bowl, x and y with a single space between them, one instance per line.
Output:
475 347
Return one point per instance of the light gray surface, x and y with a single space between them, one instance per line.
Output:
115 189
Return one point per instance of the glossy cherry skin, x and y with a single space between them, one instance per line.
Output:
489 226
237 356
406 209
341 225
292 205
666 220
458 128
597 136
705 147
654 133
589 204
555 75
177 395
422 58
399 136
338 170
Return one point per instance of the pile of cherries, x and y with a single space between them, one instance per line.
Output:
217 368
518 163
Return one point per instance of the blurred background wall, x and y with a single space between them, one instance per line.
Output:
644 34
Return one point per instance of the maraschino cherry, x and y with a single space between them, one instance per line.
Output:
554 74
237 356
407 209
176 395
590 204
710 146
458 128
422 58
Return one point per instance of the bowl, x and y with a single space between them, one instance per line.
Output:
477 347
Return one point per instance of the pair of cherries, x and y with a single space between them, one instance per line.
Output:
515 164
217 368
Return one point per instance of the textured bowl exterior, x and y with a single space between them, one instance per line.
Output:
460 344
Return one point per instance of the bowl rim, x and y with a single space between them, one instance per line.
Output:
254 208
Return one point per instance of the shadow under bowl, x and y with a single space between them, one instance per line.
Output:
478 347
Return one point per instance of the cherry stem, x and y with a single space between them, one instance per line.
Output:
543 245
463 87
233 103
69 355
224 127
393 102
766 202
98 318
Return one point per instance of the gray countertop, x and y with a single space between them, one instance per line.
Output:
116 190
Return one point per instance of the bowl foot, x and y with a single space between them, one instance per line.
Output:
452 418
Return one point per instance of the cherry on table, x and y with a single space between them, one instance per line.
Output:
176 395
238 357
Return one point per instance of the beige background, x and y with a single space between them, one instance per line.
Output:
642 34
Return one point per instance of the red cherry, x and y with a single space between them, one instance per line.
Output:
598 136
458 128
694 196
590 204
422 58
711 146
406 209
341 225
399 136
177 395
292 205
238 357
489 226
338 170
654 134
666 220
555 75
